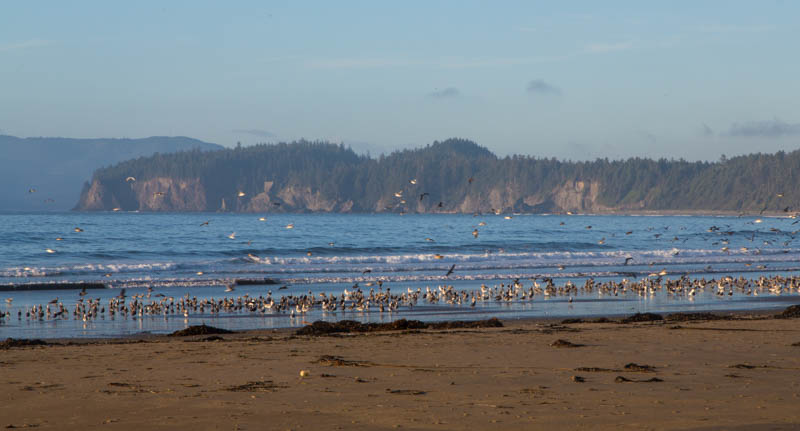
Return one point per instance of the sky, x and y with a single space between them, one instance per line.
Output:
573 80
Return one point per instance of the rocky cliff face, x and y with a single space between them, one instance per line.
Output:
156 194
168 194
92 198
182 194
188 195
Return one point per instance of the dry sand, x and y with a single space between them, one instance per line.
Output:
721 374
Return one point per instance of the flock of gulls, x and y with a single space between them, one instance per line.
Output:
357 300
383 300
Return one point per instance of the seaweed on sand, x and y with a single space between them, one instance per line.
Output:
349 326
643 317
11 343
200 330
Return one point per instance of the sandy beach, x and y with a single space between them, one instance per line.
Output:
705 374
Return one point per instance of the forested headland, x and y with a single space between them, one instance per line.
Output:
454 175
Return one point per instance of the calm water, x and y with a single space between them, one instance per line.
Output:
177 254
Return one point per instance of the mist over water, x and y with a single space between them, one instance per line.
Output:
177 254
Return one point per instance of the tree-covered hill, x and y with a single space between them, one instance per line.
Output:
455 175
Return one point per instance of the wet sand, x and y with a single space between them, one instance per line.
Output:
716 374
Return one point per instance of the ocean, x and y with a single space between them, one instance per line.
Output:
153 256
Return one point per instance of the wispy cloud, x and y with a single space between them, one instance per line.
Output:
439 62
256 132
540 87
727 28
446 93
601 48
644 134
764 129
361 63
32 43
706 131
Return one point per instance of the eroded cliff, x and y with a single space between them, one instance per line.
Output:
175 194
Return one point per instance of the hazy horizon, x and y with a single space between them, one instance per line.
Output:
575 82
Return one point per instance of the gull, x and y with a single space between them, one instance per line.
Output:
290 226
422 196
157 194
561 267
262 219
232 235
508 217
429 239
602 241
628 232
627 260
240 194
331 243
398 194
130 179
663 272
82 292
205 223
230 287
115 209
475 233
366 271
450 271
199 273
413 181
483 223
308 253
53 301
59 239
77 229
438 256
49 250
31 190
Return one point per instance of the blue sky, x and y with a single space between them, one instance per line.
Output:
576 81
